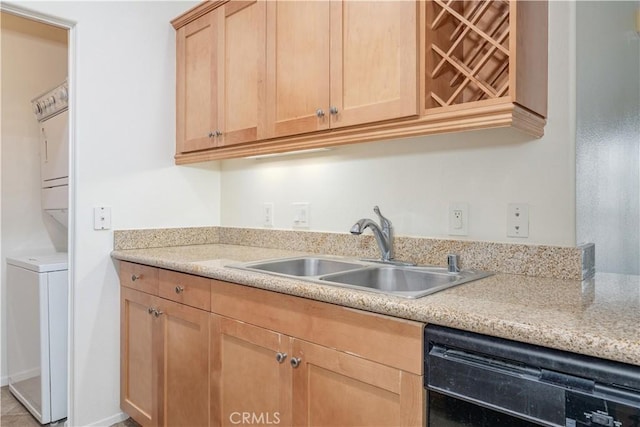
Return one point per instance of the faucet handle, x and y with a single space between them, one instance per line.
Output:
453 261
384 222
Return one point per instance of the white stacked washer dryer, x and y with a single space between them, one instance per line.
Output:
37 295
37 286
51 110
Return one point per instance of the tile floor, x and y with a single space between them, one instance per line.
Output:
13 414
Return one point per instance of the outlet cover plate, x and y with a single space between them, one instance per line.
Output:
267 214
458 219
518 220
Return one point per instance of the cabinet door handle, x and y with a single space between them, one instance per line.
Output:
333 110
157 312
135 277
151 310
217 133
179 289
319 113
280 357
295 362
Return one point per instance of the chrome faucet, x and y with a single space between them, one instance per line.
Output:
384 235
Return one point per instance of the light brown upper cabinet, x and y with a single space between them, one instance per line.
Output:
332 64
220 77
275 76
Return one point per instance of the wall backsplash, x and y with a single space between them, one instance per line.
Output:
530 260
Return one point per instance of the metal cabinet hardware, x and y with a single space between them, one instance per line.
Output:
319 113
154 311
179 289
295 362
333 110
280 357
135 277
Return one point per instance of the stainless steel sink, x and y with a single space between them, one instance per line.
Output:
306 266
399 280
410 282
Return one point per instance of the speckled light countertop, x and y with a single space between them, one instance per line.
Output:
598 317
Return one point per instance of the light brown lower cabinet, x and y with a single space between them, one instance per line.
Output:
250 375
332 388
164 361
261 358
261 377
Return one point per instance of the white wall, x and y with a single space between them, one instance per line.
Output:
28 48
608 134
414 180
124 145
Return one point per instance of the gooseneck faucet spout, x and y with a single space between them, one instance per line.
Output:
382 233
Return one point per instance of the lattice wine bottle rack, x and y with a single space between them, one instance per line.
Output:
467 53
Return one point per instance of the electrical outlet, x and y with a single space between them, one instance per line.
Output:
518 220
301 214
458 219
267 214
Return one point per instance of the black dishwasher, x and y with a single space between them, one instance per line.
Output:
476 380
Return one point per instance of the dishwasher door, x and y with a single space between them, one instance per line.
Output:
476 380
469 389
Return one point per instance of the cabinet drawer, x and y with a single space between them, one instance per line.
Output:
185 289
140 277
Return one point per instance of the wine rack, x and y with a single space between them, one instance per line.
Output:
468 55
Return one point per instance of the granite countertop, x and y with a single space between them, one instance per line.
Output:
597 317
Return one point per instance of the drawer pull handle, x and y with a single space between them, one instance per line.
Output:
135 277
295 362
157 313
179 289
280 357
151 310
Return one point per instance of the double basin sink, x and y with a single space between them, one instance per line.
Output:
400 280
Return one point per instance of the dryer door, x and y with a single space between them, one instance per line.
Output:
54 150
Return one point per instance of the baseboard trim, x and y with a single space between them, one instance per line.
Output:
109 421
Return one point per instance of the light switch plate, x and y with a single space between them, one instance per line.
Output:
301 214
101 218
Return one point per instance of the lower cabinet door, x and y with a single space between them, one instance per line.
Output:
138 381
183 349
250 375
332 388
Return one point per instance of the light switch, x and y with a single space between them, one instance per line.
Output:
301 214
101 218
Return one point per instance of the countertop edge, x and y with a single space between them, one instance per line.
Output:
436 313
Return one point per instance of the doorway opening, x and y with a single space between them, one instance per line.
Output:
37 54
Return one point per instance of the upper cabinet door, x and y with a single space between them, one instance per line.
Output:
297 66
241 50
196 91
374 49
